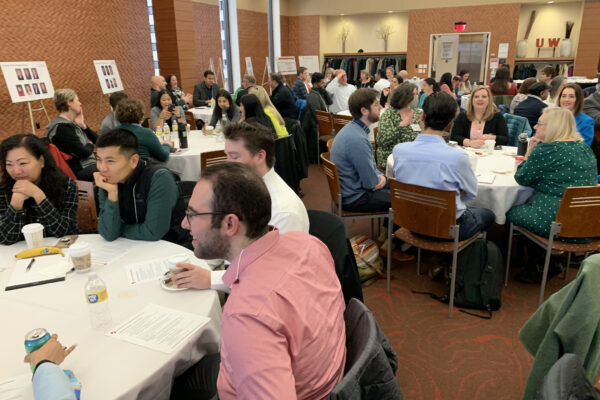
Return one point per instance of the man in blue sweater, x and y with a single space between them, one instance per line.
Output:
299 88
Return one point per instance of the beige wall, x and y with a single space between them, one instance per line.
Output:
362 32
550 23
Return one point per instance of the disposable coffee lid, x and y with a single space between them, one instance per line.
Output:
29 228
177 259
79 249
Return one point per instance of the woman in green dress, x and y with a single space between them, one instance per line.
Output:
557 158
398 124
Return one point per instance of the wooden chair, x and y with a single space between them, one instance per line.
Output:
329 144
211 158
335 191
577 217
189 119
325 128
87 218
430 212
339 121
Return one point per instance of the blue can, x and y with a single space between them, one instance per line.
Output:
35 339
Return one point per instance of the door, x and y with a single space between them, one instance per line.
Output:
455 52
472 51
445 55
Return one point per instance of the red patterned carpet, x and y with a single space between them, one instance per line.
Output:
463 358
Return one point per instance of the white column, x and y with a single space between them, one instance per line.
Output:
234 44
276 15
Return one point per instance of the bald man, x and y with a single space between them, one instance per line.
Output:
403 74
158 83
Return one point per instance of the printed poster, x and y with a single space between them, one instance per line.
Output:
27 80
108 75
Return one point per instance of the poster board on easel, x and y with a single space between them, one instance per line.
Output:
108 76
286 65
28 81
249 69
311 63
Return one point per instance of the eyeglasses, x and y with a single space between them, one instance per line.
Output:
189 214
541 123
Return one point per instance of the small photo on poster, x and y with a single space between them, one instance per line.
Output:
110 69
34 73
28 90
103 70
20 90
19 74
114 82
43 87
35 87
27 73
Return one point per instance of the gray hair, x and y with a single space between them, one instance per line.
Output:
62 97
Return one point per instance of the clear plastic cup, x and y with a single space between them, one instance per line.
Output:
81 256
173 261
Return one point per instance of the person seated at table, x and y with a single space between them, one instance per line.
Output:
533 106
399 124
282 97
131 113
270 110
138 200
445 84
71 135
428 161
403 74
395 81
364 187
547 74
556 159
318 99
282 330
390 72
591 105
429 86
456 80
110 121
158 83
247 82
556 85
49 381
380 81
163 112
502 86
571 98
206 91
522 95
414 103
34 189
366 80
480 122
253 113
225 111
299 88
177 95
465 86
329 75
340 90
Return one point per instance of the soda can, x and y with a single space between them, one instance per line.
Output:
519 160
35 339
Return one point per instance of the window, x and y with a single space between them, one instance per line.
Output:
153 38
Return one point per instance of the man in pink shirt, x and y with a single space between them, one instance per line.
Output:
283 333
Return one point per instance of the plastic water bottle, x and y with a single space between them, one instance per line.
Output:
159 132
96 296
174 124
166 132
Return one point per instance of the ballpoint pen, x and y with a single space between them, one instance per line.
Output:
29 265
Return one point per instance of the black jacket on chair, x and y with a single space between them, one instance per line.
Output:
295 130
531 108
284 101
286 163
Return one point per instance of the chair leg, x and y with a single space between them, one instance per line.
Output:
568 265
418 261
373 230
389 249
453 281
545 273
510 239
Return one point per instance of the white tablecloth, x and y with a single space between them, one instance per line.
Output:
187 162
203 113
107 368
498 196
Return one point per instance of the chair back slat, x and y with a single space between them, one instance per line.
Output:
333 178
329 144
325 124
211 158
339 121
189 118
579 212
87 218
423 210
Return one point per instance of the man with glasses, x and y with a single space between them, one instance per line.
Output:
138 200
283 333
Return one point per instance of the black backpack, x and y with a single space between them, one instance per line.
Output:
479 278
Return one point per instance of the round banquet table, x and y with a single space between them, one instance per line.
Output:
107 368
186 162
500 195
203 113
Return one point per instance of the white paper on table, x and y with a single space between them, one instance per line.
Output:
147 271
38 270
15 388
159 328
108 252
486 178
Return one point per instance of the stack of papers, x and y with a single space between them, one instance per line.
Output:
486 178
45 269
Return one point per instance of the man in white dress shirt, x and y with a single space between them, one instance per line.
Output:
253 145
340 90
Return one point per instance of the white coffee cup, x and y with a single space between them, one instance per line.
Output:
173 261
473 159
81 256
489 145
34 235
209 129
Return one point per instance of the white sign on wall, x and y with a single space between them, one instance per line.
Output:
503 50
27 80
447 52
309 62
286 65
249 69
108 76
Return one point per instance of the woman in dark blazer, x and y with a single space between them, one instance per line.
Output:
480 122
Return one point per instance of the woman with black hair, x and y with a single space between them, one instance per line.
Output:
34 189
163 111
252 112
177 95
445 84
225 110
502 85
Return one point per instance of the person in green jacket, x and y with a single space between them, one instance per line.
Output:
137 199
130 113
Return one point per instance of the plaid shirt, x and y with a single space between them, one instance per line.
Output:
57 221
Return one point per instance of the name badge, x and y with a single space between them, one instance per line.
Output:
415 127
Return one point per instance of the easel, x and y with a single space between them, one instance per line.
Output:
267 72
31 110
221 73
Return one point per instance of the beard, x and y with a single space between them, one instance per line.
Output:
373 117
212 246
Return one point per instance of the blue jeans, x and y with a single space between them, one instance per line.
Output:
474 220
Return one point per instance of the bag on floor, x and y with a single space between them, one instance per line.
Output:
368 261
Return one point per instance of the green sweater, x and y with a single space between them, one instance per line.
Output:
149 146
568 322
161 200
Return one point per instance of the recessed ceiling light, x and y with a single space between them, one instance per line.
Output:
342 14
390 12
550 2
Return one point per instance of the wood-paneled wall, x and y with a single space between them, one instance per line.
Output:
587 62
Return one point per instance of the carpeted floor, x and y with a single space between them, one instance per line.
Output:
465 357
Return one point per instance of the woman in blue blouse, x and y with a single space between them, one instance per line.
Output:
571 98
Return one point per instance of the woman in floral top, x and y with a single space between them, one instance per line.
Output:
398 124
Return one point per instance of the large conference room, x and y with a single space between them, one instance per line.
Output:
280 199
